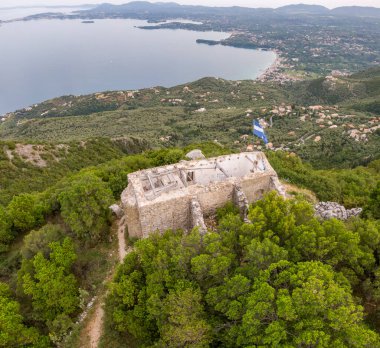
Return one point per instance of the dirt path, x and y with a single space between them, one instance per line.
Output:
94 328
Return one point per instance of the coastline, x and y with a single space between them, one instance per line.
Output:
273 70
276 73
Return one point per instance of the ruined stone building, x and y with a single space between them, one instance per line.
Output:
180 195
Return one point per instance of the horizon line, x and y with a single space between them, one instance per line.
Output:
173 2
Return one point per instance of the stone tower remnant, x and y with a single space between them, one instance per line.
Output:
177 196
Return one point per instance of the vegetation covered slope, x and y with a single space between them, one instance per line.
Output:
332 90
34 167
56 246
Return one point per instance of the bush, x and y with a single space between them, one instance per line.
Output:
6 235
39 240
165 156
25 212
53 288
350 187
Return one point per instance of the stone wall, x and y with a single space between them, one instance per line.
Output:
214 196
132 215
172 213
255 187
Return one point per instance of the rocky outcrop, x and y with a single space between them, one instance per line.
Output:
328 210
353 212
195 154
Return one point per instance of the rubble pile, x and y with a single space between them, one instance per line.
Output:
328 210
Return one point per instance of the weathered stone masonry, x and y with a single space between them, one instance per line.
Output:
179 195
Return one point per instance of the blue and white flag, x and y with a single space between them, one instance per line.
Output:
259 131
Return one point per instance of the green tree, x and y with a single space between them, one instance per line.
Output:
129 300
284 280
259 255
166 156
230 298
13 332
25 212
59 327
307 305
211 267
372 208
290 224
52 286
184 323
85 206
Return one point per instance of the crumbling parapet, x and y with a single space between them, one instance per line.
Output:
197 219
241 201
115 209
328 210
276 185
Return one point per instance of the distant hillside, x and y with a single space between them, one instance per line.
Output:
349 11
367 74
169 8
340 89
303 9
144 8
357 11
330 122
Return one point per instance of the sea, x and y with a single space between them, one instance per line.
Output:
43 59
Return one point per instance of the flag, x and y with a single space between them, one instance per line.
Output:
259 131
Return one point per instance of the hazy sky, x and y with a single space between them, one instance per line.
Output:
247 3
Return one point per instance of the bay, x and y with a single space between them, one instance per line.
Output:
43 59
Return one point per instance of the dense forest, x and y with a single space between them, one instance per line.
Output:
285 280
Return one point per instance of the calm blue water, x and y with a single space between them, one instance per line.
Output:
43 59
